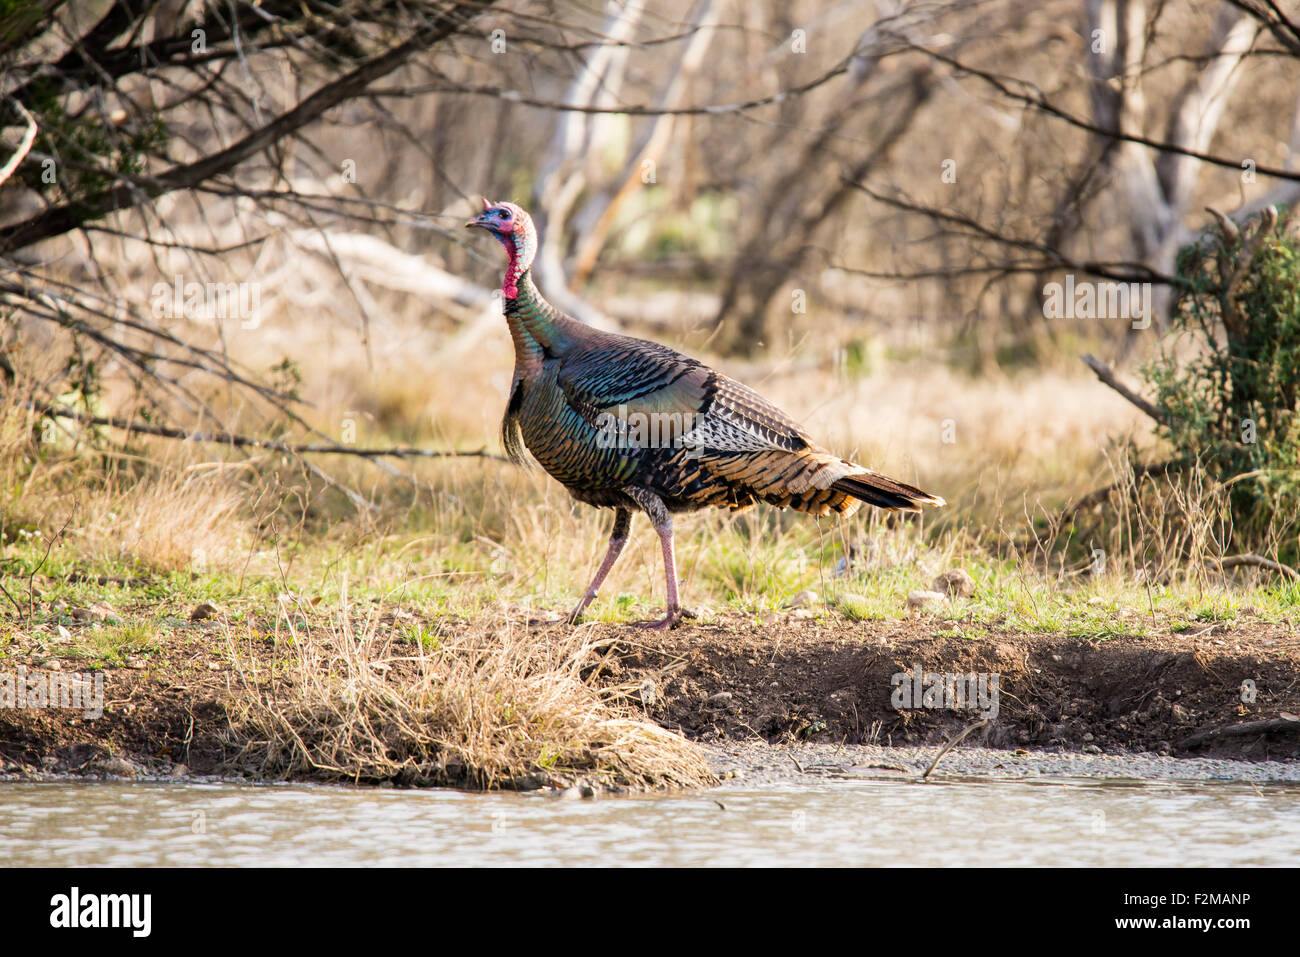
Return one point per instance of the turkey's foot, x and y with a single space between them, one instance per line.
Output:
575 617
549 622
670 620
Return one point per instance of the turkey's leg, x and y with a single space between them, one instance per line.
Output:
617 539
665 532
662 520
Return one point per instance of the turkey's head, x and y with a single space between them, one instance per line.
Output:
514 229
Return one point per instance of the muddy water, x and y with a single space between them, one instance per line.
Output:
839 820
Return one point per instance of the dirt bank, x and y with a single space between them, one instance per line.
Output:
793 680
1177 693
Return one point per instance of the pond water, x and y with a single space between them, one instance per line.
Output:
848 820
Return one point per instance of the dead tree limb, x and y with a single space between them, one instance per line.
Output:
1104 373
1257 561
1268 726
271 445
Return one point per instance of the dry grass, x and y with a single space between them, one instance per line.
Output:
152 509
168 521
26 489
486 706
1175 526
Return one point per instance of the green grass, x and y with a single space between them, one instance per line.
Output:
750 567
114 644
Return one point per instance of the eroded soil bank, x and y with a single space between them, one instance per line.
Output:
793 681
1177 693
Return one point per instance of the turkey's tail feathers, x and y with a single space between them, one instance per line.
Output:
884 492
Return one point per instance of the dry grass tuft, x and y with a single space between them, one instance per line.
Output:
491 706
167 521
1161 525
156 513
27 485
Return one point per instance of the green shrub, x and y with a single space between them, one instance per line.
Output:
1231 402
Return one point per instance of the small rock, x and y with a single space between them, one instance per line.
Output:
955 584
64 634
532 781
115 766
803 613
918 600
816 726
649 693
802 599
1091 749
771 618
215 666
204 610
52 664
865 549
99 611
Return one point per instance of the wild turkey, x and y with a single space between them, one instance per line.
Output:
632 425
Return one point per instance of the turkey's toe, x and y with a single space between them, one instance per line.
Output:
671 620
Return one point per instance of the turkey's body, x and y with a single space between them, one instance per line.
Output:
601 412
632 425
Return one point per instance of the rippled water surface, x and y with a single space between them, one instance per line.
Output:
829 821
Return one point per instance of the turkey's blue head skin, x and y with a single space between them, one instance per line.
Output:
514 229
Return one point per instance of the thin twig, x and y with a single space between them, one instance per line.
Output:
952 744
29 137
1097 496
248 441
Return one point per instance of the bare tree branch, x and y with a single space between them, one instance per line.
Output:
1107 376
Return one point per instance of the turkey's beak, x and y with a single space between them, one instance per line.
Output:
482 218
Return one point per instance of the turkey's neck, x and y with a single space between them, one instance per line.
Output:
536 326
